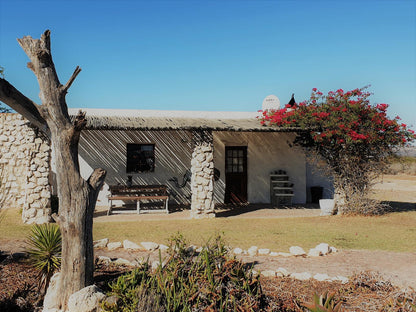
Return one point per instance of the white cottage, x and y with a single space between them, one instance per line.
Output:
204 158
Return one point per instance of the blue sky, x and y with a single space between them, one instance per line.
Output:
217 55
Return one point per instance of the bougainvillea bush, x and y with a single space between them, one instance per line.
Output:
352 136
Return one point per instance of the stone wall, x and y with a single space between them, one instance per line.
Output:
202 168
25 167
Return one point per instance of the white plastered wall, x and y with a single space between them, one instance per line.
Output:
266 152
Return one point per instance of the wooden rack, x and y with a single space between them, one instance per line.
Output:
281 189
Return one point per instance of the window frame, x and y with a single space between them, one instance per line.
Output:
139 166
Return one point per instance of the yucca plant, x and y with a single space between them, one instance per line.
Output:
323 303
44 250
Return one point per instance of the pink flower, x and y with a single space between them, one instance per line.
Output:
382 107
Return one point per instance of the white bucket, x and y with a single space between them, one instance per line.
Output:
327 206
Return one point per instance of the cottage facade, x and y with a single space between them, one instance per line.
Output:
228 156
204 158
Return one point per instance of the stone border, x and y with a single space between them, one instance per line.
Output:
320 250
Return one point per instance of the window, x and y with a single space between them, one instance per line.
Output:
235 160
140 158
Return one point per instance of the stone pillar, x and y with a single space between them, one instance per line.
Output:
202 183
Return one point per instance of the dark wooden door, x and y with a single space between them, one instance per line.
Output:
235 174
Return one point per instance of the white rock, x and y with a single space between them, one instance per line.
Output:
51 297
264 251
333 249
321 277
45 194
297 251
87 299
129 245
121 261
43 220
301 276
341 278
104 259
268 273
282 272
155 265
324 248
30 213
149 245
274 254
314 253
252 251
237 251
113 246
43 181
163 247
101 243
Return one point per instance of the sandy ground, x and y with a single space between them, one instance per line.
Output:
399 188
399 268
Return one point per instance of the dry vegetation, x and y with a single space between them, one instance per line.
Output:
366 291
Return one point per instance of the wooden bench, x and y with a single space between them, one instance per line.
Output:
138 193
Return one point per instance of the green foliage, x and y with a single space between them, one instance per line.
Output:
323 303
44 250
191 281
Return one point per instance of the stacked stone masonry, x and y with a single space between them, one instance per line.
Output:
24 169
202 184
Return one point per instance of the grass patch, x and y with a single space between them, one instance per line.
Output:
11 225
391 232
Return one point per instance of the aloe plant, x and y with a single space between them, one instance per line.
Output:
323 303
44 250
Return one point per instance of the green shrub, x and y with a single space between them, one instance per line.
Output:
190 281
44 250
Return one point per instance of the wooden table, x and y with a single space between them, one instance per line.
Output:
138 193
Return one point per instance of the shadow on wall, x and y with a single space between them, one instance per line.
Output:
108 149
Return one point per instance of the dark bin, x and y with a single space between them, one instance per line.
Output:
316 193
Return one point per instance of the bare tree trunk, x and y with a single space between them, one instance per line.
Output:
77 197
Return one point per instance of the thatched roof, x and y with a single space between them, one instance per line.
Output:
143 120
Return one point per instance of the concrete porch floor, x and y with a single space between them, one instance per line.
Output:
253 211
